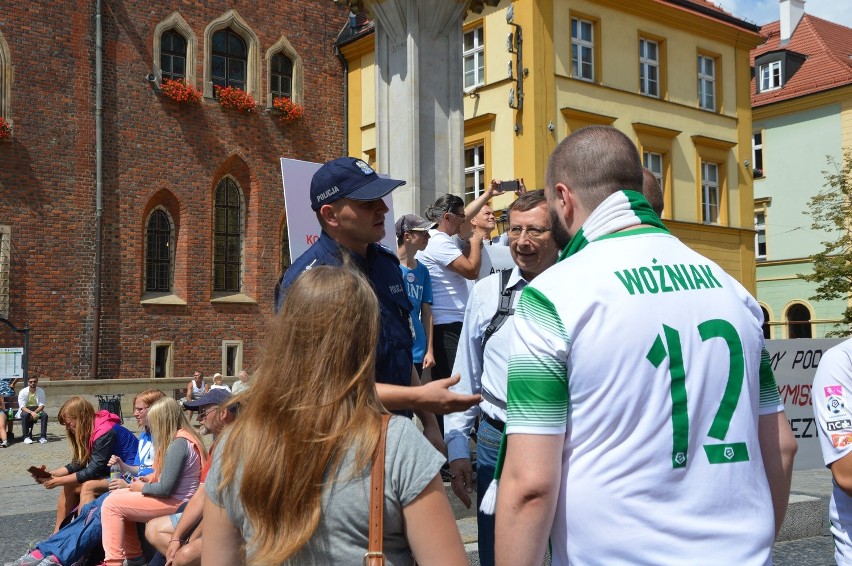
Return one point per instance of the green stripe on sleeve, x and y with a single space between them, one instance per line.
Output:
535 306
538 392
769 396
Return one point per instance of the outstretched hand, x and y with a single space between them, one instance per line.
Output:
436 397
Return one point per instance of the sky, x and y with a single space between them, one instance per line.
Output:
764 11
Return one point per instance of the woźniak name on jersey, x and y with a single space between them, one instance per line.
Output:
667 278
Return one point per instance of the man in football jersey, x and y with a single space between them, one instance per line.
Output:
832 393
643 421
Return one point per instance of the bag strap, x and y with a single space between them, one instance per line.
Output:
375 556
504 309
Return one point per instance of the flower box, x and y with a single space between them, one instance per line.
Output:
5 129
288 109
235 99
180 92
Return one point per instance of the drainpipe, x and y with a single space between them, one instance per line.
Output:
99 181
345 64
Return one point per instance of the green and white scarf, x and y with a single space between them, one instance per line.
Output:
620 211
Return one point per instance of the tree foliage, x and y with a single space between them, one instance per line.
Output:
831 212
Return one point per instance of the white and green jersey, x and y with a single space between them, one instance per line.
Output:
832 394
647 357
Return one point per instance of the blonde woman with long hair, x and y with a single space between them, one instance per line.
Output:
290 482
94 438
178 458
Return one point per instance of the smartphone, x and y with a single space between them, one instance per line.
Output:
39 473
510 185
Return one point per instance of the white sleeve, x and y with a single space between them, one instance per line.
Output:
444 252
832 395
468 364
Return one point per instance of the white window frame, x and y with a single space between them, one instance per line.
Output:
476 56
654 162
582 50
476 171
770 76
646 64
170 359
760 232
706 80
710 211
238 360
757 152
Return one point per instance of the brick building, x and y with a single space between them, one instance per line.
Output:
193 217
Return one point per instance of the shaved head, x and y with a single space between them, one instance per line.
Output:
595 161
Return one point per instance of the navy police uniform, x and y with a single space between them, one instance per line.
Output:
381 267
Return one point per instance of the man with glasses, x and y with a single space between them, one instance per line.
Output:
31 401
482 357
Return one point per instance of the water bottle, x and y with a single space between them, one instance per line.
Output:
115 472
11 413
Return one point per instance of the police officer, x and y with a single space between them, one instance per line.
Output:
346 195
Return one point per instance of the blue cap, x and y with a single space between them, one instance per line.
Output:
213 397
348 177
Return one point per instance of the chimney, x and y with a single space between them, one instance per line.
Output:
791 14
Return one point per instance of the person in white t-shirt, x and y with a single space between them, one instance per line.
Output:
644 424
449 269
218 383
832 394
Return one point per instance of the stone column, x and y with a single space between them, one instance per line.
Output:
419 91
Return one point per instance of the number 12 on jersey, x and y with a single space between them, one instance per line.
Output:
724 453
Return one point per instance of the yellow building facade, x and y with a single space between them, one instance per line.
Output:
673 75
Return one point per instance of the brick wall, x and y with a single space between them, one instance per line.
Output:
156 152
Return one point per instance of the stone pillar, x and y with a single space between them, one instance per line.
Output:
419 91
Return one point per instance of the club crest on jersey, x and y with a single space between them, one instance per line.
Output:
836 390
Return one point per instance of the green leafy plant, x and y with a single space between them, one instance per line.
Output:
830 211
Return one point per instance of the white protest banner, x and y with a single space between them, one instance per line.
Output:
495 257
794 363
302 226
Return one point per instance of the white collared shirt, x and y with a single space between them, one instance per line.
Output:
481 368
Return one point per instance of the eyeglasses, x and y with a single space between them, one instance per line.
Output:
33 382
461 216
533 232
202 413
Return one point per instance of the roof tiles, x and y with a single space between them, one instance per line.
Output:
827 47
